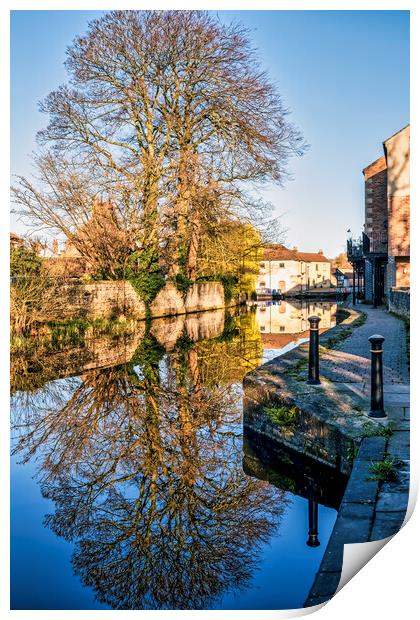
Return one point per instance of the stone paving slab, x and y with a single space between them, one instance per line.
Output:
387 524
399 445
325 581
396 399
372 449
397 388
392 502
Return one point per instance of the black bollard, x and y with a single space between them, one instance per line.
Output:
376 378
313 524
313 367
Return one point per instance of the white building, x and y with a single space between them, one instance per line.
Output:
287 272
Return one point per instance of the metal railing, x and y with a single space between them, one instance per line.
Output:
354 249
376 243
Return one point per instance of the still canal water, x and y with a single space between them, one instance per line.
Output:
128 485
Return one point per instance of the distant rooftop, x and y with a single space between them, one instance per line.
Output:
276 251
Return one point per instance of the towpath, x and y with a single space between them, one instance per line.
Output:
371 509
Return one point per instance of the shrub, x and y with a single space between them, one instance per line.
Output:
145 275
24 262
182 283
148 285
33 294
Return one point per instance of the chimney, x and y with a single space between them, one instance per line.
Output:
294 249
321 252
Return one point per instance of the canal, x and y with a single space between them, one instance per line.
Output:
132 485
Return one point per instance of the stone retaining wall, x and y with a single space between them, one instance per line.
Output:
111 299
399 301
107 299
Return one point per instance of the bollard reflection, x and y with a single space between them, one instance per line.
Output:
376 378
313 540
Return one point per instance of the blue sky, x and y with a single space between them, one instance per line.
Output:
344 75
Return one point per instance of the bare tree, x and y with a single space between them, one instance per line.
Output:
161 107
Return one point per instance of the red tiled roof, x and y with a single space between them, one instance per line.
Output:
278 341
312 257
280 252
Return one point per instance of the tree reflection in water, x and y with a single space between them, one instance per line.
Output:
144 464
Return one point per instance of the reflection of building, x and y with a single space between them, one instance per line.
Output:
382 256
344 279
284 322
284 271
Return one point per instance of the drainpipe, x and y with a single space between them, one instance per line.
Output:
354 286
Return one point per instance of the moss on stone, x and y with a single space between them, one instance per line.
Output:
283 416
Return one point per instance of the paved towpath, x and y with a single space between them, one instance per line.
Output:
371 509
349 362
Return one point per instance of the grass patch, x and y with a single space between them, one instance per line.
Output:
283 416
384 470
378 431
295 371
351 452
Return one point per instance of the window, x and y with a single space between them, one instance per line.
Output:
262 265
281 265
316 267
282 328
262 284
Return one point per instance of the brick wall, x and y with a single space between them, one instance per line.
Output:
402 271
376 205
399 302
399 225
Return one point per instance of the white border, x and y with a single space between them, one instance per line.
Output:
387 586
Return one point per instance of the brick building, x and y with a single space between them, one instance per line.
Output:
376 227
397 154
382 255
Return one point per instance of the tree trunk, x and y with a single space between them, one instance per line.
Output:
195 228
